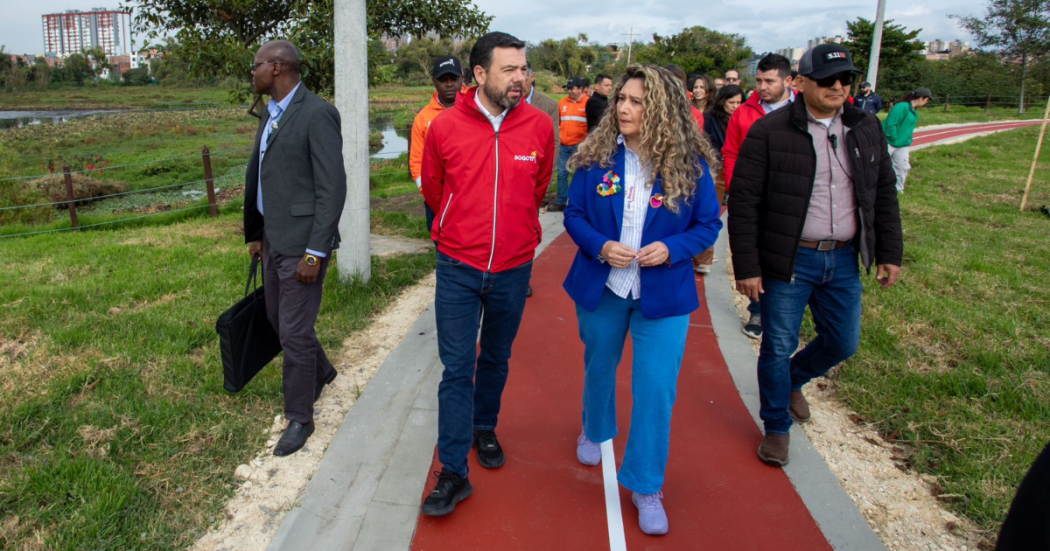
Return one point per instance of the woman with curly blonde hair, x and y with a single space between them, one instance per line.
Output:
641 205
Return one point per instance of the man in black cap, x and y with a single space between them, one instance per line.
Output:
447 76
867 99
813 189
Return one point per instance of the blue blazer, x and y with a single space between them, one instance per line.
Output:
592 220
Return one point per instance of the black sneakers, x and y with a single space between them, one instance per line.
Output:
490 454
450 490
753 328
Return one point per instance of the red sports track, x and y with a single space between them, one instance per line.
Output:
923 137
718 495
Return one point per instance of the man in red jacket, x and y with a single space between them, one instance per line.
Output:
772 91
486 167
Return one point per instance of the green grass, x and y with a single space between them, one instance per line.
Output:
954 363
116 97
934 115
115 432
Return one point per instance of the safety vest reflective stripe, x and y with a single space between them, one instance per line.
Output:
577 119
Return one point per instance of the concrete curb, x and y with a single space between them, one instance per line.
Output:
365 495
832 509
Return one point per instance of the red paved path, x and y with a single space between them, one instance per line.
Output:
930 136
718 494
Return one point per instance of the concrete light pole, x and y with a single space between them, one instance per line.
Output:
876 45
351 98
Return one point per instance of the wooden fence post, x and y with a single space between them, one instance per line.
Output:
1035 160
988 105
70 197
947 101
209 181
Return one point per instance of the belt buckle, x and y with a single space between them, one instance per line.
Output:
827 245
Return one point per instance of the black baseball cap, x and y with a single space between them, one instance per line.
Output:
825 60
574 82
446 65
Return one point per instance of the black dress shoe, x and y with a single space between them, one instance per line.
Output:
321 384
294 438
528 291
450 490
490 453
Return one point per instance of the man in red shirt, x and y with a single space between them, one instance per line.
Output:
772 91
486 168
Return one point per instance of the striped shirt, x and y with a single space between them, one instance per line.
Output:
637 192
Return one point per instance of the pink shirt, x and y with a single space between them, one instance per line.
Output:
833 205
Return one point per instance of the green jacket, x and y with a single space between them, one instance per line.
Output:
900 124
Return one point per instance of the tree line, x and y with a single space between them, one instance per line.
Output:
212 42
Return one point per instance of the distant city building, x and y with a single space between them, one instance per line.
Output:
792 54
837 39
74 31
938 50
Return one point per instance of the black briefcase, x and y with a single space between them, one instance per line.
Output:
247 340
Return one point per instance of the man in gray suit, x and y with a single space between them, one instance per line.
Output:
293 196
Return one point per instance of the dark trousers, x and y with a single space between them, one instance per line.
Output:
471 388
292 308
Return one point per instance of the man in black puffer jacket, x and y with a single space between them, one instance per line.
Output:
813 188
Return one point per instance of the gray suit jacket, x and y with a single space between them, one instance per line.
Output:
303 179
545 103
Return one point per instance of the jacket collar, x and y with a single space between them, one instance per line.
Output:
467 100
619 160
851 115
296 100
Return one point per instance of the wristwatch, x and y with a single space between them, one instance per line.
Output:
310 259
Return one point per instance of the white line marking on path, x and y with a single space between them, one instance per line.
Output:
617 538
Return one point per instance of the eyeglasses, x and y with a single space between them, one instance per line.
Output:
827 82
254 66
731 79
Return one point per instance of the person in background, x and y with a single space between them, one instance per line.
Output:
1027 524
867 99
544 103
703 91
813 194
679 73
641 205
572 127
716 121
732 76
448 81
599 100
468 79
773 91
719 83
900 127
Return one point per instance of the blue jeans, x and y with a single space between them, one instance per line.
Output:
564 152
471 388
659 345
829 282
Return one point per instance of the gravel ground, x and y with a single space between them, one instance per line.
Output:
899 505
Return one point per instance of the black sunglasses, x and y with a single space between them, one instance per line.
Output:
255 66
827 82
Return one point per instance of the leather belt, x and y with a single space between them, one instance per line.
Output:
827 245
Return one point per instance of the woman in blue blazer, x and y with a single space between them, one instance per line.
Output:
641 205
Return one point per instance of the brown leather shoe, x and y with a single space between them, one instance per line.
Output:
774 449
799 408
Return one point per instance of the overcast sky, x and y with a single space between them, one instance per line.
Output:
766 24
